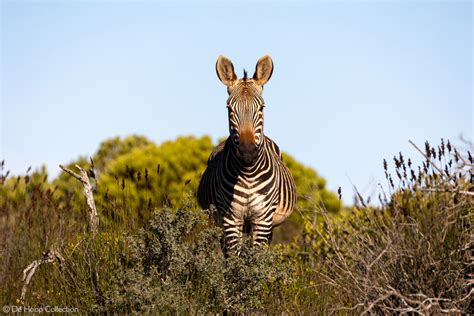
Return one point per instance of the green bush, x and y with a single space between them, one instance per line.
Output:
175 265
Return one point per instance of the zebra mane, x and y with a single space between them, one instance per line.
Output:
245 74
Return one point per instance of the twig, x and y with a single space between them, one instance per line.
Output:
378 300
413 305
336 248
380 255
48 257
83 177
343 308
467 296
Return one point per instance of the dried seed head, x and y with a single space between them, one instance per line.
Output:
427 150
456 155
360 199
4 177
448 145
397 162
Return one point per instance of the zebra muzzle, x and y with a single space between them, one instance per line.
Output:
247 152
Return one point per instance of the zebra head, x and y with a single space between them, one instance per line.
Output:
245 106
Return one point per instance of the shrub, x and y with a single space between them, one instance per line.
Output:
410 255
175 265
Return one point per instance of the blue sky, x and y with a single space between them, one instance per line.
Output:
352 83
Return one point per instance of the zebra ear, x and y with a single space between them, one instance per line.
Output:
263 70
225 71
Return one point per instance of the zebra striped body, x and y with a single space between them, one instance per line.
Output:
246 180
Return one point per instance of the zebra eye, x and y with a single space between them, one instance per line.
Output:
236 139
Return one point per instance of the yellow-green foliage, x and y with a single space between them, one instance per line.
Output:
112 148
109 150
310 186
156 175
15 188
311 189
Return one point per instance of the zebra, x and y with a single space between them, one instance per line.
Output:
246 183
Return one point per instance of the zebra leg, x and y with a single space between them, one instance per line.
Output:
233 226
262 229
224 247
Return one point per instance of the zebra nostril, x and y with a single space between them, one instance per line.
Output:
248 151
